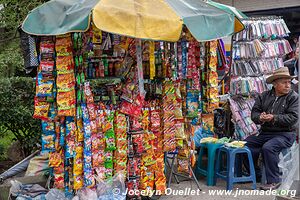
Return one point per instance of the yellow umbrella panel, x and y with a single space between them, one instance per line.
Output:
141 19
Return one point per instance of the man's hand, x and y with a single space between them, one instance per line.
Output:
266 117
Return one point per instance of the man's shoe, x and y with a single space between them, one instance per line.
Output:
270 186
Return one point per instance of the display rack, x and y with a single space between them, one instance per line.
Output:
257 52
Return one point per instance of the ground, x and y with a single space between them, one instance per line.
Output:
221 186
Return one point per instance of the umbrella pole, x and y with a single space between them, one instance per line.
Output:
231 58
140 66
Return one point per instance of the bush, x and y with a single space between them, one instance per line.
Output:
6 141
16 110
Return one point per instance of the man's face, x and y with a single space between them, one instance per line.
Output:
282 86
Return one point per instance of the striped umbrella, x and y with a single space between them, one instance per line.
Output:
145 19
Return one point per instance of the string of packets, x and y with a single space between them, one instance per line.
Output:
247 85
257 48
256 29
256 67
241 115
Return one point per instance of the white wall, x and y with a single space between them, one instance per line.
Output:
253 5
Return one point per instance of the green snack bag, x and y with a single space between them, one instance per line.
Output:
110 140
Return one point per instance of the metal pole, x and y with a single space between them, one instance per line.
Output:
298 67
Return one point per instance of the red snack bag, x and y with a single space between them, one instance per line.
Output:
137 141
41 109
46 66
92 111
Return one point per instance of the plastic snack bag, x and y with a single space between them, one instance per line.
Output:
192 103
41 109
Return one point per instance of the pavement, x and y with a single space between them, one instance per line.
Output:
240 191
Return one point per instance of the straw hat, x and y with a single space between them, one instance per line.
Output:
282 72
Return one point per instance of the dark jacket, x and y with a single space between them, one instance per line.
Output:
284 109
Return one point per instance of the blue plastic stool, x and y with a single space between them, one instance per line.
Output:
229 175
209 172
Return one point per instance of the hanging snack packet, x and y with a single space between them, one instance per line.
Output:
92 111
208 122
212 93
138 143
47 46
108 169
183 165
110 140
62 131
48 127
100 171
59 181
66 103
44 89
41 109
65 82
44 86
78 182
63 46
149 158
155 119
88 93
192 103
89 180
48 142
55 159
78 160
135 124
46 66
64 64
80 130
213 78
98 158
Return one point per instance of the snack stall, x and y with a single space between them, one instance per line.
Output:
112 105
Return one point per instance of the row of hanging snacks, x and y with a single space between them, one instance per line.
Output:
65 80
80 150
160 178
152 169
134 163
46 111
210 92
169 130
45 83
182 58
159 60
120 127
132 105
186 156
87 149
190 91
193 67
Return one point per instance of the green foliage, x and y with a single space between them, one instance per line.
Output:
12 14
16 93
11 59
5 141
16 110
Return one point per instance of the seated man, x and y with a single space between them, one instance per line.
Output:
276 111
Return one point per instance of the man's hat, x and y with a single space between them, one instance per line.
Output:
282 72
